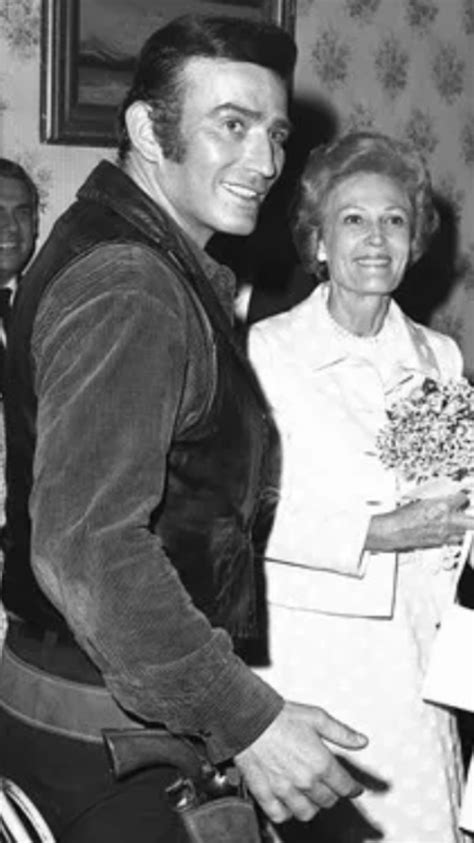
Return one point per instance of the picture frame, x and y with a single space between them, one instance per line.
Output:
87 57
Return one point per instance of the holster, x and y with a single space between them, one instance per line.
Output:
225 820
212 804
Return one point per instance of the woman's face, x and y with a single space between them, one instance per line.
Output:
366 234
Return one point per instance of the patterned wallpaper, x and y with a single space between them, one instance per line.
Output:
57 170
406 67
402 66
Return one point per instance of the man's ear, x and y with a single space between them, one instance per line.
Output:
140 130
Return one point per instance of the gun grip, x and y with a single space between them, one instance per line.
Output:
131 750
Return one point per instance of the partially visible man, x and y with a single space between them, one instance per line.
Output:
18 231
141 455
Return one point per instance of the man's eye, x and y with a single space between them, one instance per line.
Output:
280 136
24 213
234 125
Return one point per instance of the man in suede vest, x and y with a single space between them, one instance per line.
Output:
142 461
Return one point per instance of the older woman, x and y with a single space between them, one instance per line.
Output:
355 581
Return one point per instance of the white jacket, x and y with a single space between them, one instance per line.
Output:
329 391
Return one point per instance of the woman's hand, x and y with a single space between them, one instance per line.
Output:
422 523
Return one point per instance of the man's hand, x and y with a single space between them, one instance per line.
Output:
289 769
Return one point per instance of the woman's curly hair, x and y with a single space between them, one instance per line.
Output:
359 152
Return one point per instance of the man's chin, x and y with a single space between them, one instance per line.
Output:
10 266
242 226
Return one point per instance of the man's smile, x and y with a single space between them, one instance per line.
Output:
241 191
10 244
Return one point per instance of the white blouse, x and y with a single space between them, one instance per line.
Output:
329 391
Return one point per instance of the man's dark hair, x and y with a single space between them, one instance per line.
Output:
12 170
158 74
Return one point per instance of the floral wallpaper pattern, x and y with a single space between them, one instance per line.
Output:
391 63
20 21
57 170
402 66
406 67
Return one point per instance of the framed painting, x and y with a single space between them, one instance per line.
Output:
87 57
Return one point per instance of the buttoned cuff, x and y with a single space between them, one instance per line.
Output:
239 709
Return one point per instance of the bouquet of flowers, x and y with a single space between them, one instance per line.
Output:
430 433
429 441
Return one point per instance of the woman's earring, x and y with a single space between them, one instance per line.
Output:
321 253
322 270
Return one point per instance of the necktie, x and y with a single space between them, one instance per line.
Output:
5 296
5 307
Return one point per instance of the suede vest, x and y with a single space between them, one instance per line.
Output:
219 471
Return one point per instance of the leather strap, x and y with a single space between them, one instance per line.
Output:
58 705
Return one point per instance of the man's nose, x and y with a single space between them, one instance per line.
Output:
262 156
8 220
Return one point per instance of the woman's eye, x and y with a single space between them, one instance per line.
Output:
353 219
396 220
